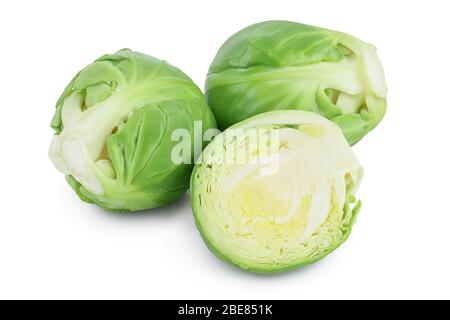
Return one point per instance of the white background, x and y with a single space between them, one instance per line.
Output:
52 245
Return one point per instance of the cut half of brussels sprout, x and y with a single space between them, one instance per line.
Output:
113 127
276 191
277 65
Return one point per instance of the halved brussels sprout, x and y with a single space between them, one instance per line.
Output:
276 191
113 127
277 65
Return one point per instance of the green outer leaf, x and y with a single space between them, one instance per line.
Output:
141 154
276 44
56 123
163 99
280 65
78 188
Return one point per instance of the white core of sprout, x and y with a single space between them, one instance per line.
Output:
371 79
349 104
320 206
302 166
76 150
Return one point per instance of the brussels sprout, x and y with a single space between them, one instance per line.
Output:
277 65
113 127
274 220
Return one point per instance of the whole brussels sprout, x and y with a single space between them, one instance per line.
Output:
277 65
113 127
266 218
